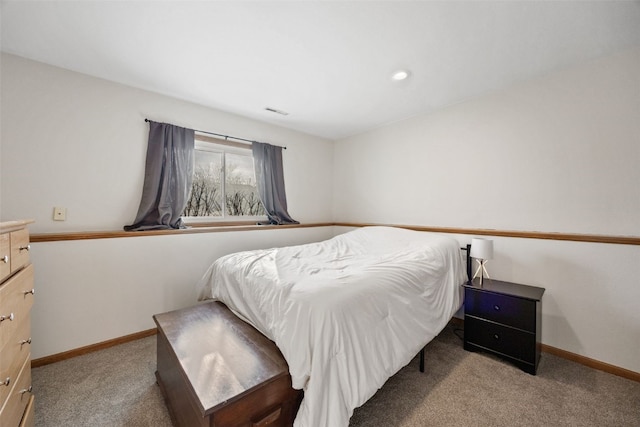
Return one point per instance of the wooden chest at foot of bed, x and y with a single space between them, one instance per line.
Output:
216 370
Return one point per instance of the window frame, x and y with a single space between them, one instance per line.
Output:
224 146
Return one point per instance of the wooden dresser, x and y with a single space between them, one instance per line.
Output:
16 299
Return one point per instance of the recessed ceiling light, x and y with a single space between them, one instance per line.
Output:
400 75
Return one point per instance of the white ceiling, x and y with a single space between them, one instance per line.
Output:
326 63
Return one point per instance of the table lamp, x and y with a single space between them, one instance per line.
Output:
482 251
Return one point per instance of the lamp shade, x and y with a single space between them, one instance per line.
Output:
482 248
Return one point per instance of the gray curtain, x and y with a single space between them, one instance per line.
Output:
267 160
167 180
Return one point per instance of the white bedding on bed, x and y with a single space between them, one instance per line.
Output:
346 313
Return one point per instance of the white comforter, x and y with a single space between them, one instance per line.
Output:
346 313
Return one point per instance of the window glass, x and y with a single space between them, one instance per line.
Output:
223 173
205 198
241 192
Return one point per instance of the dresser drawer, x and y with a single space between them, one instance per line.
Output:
14 353
16 299
29 418
507 341
511 311
19 249
19 397
5 255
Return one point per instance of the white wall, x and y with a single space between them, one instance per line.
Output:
558 154
91 291
79 142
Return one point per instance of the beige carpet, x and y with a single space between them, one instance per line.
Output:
116 387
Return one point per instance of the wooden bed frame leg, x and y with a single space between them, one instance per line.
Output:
422 360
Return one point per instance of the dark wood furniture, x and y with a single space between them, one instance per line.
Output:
504 318
217 370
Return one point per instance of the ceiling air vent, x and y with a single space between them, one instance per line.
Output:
273 110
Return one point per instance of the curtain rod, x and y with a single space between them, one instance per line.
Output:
224 136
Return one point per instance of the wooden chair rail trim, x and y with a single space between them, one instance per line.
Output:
573 237
195 229
586 361
210 228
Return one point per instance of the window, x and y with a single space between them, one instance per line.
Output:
224 183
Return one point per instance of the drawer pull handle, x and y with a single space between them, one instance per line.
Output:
496 307
26 390
27 341
9 317
25 248
5 259
6 382
32 292
496 336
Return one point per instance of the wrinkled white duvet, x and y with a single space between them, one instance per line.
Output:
346 313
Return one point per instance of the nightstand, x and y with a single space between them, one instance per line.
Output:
504 319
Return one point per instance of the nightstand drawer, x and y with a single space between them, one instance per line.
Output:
512 311
507 341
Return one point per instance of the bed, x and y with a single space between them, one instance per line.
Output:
346 313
